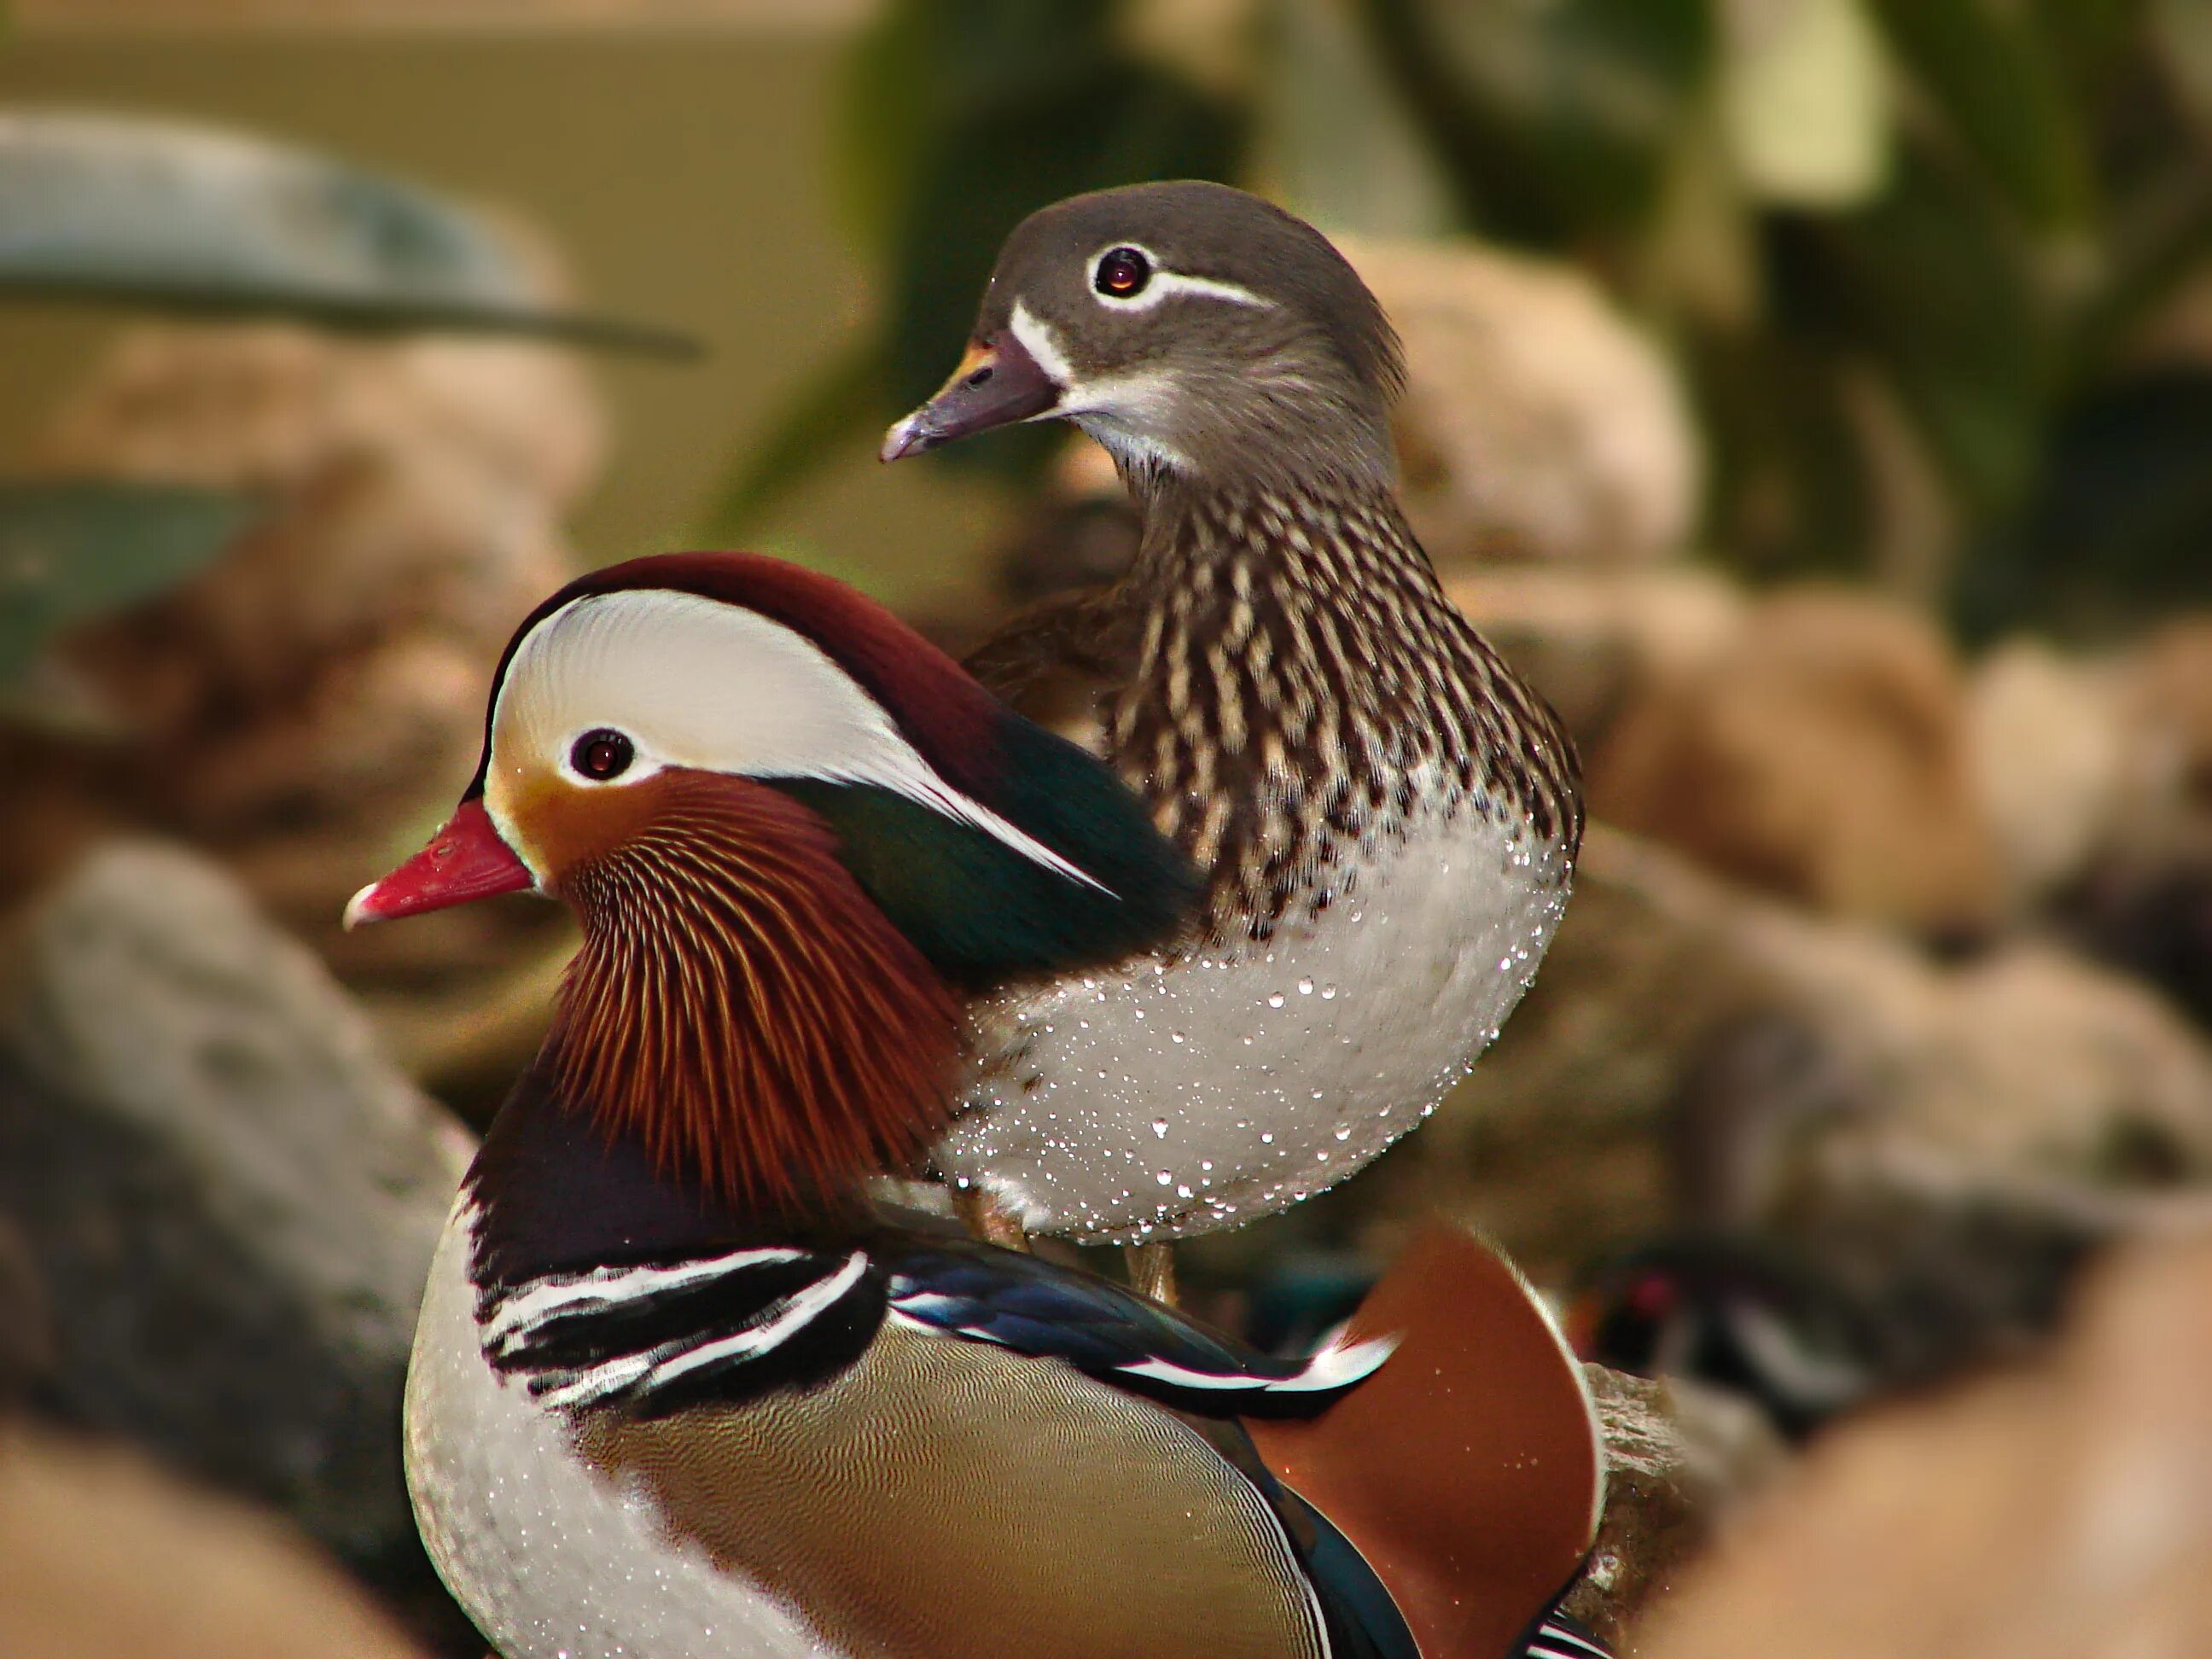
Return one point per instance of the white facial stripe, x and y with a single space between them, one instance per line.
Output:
1166 285
1036 337
698 683
1125 412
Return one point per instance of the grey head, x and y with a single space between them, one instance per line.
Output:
1192 329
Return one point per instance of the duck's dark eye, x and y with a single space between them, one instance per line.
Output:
1122 273
601 755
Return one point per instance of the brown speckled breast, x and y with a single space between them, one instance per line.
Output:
1282 676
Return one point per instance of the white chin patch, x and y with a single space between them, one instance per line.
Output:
1129 414
1132 449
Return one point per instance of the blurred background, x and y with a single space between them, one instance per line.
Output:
1813 397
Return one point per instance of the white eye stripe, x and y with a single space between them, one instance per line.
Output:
1164 284
1101 407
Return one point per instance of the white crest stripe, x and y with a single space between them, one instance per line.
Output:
697 682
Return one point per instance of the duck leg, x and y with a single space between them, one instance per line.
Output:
1152 1272
973 1206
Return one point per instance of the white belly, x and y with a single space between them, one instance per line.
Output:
552 1560
1165 1099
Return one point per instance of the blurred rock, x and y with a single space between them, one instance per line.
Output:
26 1333
2097 775
1693 1055
2151 914
1821 754
1679 1460
230 1199
2171 698
1537 421
103 1557
2064 1509
1591 641
305 706
2047 747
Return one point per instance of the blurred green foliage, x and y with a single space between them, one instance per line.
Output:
1906 251
961 116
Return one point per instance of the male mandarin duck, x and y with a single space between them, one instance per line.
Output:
685 1384
1386 816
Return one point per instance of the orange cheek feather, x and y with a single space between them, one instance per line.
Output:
740 1004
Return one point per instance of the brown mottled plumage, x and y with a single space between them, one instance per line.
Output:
1287 677
1386 816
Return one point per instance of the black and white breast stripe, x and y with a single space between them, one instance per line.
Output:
1556 1636
655 1336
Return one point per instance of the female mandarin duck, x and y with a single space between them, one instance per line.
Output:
684 1387
1386 817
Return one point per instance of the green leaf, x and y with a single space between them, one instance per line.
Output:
1335 138
1926 285
1556 120
72 550
1994 84
1803 101
2114 537
180 217
1793 492
2182 30
926 69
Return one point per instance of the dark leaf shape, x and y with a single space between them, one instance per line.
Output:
844 396
2119 528
1926 285
959 118
1793 493
180 217
76 549
1555 121
1993 78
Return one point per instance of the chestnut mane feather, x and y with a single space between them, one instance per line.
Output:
743 1011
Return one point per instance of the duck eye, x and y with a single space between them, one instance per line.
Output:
1122 273
601 755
